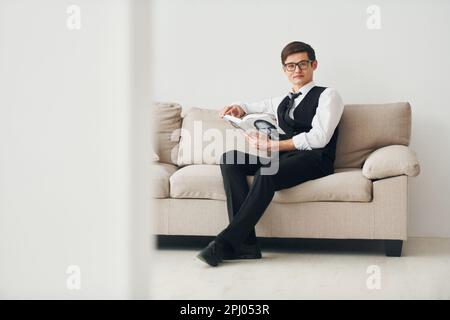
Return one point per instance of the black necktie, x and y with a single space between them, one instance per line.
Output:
291 104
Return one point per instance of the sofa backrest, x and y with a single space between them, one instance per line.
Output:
167 121
205 137
363 128
366 127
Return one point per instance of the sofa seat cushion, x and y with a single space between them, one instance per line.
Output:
160 174
204 181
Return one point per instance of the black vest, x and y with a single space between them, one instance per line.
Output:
302 122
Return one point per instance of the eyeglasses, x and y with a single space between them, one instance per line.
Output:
302 65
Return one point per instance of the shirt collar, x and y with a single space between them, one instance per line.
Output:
305 89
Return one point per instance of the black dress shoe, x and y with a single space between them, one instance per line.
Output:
246 251
212 254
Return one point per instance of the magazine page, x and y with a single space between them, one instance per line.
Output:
263 122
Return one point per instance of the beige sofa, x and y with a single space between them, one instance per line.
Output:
366 197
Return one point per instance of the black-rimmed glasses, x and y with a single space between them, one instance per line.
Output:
302 65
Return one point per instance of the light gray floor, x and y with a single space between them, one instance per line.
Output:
423 272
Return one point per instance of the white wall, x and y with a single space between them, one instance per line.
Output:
70 193
211 53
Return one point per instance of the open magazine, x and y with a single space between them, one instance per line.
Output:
263 122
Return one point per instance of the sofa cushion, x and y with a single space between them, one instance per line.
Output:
363 129
160 174
205 182
391 161
167 127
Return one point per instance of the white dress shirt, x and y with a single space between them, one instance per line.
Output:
325 121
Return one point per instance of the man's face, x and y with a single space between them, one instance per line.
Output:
302 74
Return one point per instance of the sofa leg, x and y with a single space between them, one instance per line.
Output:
393 248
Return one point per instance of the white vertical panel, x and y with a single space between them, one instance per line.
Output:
66 156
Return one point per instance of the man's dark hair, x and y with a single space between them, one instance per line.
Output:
295 47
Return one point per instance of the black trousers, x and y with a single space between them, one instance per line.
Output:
245 204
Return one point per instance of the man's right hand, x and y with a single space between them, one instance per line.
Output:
233 110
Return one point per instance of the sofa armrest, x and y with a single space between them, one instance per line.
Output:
391 161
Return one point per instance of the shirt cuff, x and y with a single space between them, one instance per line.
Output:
300 142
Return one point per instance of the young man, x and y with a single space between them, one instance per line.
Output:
309 115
